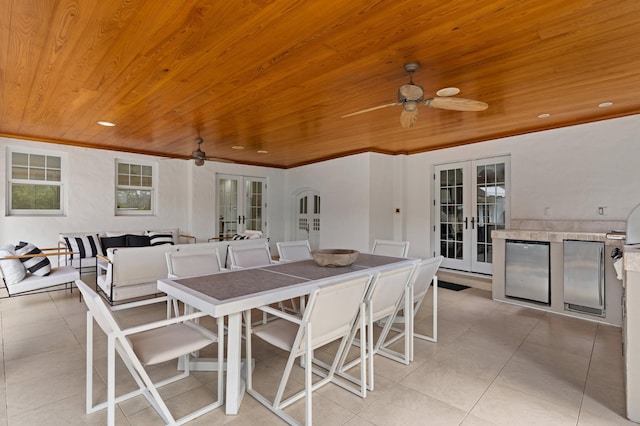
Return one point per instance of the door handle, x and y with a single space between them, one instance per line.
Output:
466 223
473 221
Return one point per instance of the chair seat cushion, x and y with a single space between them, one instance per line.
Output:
167 343
279 333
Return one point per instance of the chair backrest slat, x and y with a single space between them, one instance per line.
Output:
332 310
391 248
294 250
250 256
387 290
424 274
193 262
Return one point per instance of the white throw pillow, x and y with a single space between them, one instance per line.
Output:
13 270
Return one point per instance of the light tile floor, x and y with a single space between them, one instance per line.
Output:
494 364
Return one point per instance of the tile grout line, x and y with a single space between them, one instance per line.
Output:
503 367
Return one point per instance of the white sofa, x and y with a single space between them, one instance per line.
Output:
84 246
132 272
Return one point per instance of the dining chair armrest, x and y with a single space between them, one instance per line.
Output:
162 323
281 314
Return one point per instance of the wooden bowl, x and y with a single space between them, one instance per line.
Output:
334 257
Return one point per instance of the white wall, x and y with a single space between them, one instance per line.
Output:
572 171
343 185
186 196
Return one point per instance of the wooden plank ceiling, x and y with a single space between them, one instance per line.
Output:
277 76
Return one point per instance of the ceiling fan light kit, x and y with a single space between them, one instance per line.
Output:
410 95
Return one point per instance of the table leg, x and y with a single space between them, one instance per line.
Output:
235 382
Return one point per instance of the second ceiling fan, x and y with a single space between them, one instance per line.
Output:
411 95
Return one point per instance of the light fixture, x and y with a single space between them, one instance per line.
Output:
448 91
237 147
199 161
545 115
605 104
106 123
262 151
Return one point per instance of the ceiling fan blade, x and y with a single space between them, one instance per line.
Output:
456 104
408 118
362 111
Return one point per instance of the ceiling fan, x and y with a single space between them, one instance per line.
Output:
199 156
410 95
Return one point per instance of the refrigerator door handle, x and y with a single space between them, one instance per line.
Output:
601 278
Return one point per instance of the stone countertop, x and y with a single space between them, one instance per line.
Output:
552 236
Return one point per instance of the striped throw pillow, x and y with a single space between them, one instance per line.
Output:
83 247
157 238
40 265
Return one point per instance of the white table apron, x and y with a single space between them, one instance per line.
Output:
231 293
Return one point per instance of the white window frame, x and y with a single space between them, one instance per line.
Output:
11 181
153 188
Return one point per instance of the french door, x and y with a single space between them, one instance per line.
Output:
241 204
471 200
307 217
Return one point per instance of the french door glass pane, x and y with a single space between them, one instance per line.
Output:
490 205
451 213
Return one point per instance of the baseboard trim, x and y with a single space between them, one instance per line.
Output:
481 281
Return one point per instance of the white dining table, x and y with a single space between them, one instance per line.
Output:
230 293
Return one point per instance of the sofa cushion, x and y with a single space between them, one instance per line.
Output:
13 270
138 240
82 246
160 237
40 265
108 242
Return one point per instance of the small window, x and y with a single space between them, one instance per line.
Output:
35 183
135 190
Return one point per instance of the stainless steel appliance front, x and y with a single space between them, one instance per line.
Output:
527 271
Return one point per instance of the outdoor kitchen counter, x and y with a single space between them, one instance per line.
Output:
552 236
631 330
556 238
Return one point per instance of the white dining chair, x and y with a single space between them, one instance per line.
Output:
294 250
250 256
330 315
384 299
253 256
424 276
391 248
146 345
192 263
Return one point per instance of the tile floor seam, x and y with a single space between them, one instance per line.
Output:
503 367
586 379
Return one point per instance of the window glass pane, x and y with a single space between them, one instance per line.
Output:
37 160
123 168
19 173
147 170
53 175
53 162
35 197
123 179
146 181
19 159
134 199
37 174
135 169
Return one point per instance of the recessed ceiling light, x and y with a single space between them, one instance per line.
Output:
605 104
448 91
106 123
545 115
237 147
263 151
